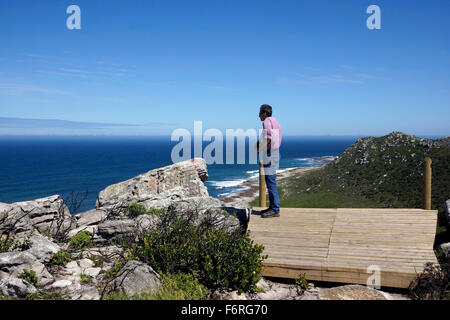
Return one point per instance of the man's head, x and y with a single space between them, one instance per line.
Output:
265 111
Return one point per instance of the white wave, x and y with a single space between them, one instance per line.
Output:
227 183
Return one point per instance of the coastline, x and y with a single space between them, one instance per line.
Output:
243 198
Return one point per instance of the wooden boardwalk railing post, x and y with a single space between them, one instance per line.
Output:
262 186
427 184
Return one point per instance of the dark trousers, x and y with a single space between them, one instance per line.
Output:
271 164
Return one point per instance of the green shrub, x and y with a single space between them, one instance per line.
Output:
181 286
84 278
5 244
114 270
81 240
61 258
97 260
218 259
302 282
29 276
136 209
156 212
173 287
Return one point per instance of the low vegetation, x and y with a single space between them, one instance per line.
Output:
61 258
81 240
217 258
137 209
178 286
29 276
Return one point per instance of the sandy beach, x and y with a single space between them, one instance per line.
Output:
244 197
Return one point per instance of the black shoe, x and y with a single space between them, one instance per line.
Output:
265 210
270 214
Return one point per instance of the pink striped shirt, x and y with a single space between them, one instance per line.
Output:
272 131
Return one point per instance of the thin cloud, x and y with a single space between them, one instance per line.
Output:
23 123
15 89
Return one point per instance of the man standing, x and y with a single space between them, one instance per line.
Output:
269 146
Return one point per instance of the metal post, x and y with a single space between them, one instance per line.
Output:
427 184
262 186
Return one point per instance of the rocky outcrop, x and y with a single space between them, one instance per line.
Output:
45 226
12 264
353 292
16 288
112 228
136 277
48 215
42 248
158 188
270 290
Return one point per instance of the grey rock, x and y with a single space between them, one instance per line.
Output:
113 228
89 293
447 211
93 272
42 248
136 277
446 249
16 288
92 229
71 269
90 217
13 263
158 188
207 209
61 284
353 292
85 263
271 291
46 214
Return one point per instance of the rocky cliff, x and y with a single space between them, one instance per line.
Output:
37 236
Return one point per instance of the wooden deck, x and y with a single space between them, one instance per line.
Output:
339 245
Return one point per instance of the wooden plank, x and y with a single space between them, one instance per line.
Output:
339 244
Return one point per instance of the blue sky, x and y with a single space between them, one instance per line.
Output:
148 67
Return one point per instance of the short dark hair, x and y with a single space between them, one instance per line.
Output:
267 109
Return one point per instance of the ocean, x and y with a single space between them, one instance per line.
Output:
37 167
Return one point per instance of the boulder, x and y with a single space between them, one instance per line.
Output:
207 209
353 292
91 217
158 188
136 277
16 288
446 250
48 215
14 263
112 228
42 248
447 211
